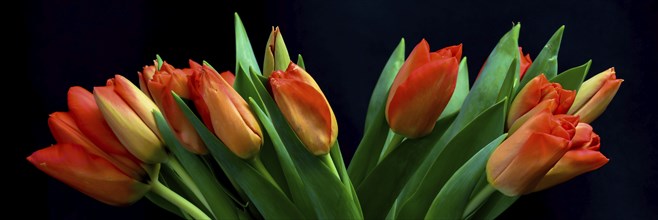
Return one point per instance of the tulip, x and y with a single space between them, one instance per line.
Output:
520 162
525 63
595 94
583 156
160 86
305 108
422 89
128 112
276 53
226 113
89 174
538 92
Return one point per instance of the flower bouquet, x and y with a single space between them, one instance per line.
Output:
205 143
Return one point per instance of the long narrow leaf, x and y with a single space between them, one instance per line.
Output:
546 61
571 79
244 54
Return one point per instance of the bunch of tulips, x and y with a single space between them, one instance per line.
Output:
262 143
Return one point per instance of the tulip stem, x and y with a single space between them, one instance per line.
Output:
179 201
258 164
185 177
478 200
392 142
329 162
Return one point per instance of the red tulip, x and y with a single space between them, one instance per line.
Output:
595 94
583 156
305 108
226 113
422 89
538 92
160 86
524 64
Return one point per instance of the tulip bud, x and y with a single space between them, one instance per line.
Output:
226 113
538 92
305 108
422 89
521 161
525 63
161 84
595 94
89 174
129 127
583 156
276 53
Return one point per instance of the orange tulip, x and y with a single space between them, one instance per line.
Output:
226 113
129 113
88 173
595 94
305 108
160 86
523 159
583 156
422 89
538 92
525 63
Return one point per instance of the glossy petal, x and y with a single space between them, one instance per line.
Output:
595 95
89 174
138 101
526 61
535 92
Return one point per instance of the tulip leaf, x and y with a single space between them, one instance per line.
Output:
270 201
376 125
214 194
571 79
546 61
400 164
159 61
244 54
337 158
245 86
475 135
300 61
461 90
510 80
482 96
327 194
494 206
453 198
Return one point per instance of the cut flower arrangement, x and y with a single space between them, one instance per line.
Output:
260 141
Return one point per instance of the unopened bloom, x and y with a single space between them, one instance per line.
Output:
305 108
129 112
523 159
525 63
160 85
276 53
538 92
226 113
595 94
422 89
583 156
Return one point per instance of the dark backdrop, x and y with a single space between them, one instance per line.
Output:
345 45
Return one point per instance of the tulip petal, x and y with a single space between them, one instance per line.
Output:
572 164
599 102
138 101
529 96
89 174
418 57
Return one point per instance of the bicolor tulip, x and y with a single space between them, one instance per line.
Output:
160 85
540 93
583 156
129 113
305 108
421 90
595 94
276 53
520 162
226 113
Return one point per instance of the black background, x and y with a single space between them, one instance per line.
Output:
345 45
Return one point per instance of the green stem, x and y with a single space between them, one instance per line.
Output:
390 145
185 177
178 200
258 164
329 162
478 200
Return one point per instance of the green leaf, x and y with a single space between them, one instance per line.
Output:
300 61
546 61
270 201
574 77
164 204
510 80
281 56
392 173
337 158
159 60
244 54
453 198
376 126
214 194
461 90
494 206
245 86
481 131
